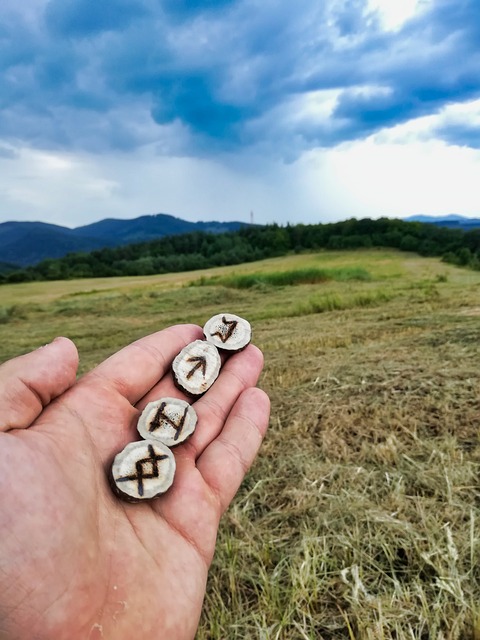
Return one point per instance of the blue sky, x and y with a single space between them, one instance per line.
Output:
298 111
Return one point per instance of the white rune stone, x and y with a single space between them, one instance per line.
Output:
227 331
143 470
196 367
168 420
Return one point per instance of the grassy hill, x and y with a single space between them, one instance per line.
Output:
359 520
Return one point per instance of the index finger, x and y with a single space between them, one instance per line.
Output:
135 369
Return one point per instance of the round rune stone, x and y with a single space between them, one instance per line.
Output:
168 420
196 367
143 470
227 331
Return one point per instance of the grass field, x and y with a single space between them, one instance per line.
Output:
360 519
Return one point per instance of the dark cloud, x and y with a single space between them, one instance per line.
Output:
80 18
349 17
461 134
187 8
229 73
192 100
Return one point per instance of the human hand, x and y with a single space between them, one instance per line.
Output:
75 561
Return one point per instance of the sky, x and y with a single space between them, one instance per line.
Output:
307 111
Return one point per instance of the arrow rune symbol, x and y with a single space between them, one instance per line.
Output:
225 335
201 363
151 466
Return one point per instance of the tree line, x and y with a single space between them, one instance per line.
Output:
200 250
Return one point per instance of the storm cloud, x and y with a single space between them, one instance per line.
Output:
199 78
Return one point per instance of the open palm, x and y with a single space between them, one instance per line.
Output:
75 561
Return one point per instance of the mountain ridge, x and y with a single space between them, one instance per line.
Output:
28 243
452 221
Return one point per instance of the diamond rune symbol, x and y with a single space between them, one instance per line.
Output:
161 416
201 363
150 470
230 326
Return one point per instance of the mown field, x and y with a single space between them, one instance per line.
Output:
360 519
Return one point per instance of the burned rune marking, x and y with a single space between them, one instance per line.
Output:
161 416
201 363
225 335
150 463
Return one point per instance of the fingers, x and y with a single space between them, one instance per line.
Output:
227 459
30 382
134 370
239 372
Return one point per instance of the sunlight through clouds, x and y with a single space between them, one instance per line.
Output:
394 13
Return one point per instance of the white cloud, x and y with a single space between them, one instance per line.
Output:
394 13
464 112
370 178
426 128
54 187
73 190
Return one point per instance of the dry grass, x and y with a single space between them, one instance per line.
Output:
360 519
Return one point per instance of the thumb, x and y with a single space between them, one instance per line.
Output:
30 382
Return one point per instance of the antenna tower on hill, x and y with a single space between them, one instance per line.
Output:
251 217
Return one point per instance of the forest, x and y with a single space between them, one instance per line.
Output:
201 250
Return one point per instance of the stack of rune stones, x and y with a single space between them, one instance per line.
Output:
145 469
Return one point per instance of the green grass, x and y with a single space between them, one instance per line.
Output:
9 313
310 275
360 519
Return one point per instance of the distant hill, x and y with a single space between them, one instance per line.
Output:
28 243
451 221
145 228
